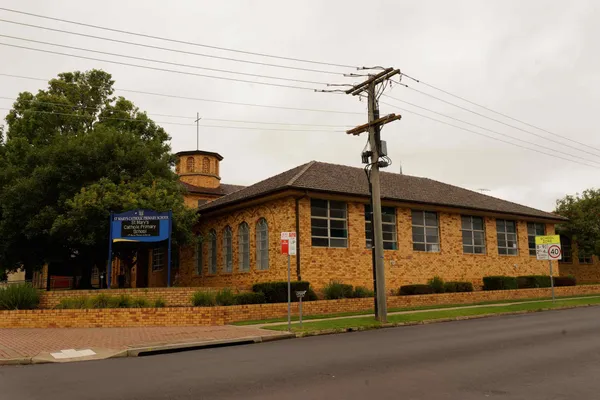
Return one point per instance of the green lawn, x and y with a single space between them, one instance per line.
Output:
397 309
370 322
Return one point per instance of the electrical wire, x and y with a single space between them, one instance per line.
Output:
177 41
491 130
171 50
499 113
197 98
156 68
164 62
488 136
501 122
100 118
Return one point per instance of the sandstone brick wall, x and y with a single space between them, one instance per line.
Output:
584 273
206 316
174 297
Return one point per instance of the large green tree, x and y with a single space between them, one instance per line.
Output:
583 227
71 154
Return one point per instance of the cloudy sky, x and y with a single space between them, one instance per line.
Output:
536 61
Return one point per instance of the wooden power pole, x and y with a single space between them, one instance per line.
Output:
373 128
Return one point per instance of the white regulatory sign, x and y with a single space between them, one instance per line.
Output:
548 247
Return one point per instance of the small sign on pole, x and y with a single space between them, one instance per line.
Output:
548 248
288 246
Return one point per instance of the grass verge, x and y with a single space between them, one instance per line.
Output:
418 317
399 309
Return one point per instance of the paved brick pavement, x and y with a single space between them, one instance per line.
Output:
16 343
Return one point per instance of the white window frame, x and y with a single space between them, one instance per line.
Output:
227 249
505 234
387 244
244 247
329 218
471 231
158 259
430 247
262 245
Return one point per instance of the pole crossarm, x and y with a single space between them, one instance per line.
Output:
375 79
378 122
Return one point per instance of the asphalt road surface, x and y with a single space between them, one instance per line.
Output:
550 355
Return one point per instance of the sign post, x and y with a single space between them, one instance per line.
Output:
288 246
548 248
300 294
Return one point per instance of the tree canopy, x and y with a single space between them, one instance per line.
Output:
583 211
69 155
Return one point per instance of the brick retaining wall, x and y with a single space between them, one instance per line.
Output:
205 316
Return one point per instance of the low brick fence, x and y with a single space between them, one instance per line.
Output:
174 296
206 316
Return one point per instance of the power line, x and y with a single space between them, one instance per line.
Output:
164 62
197 98
488 136
156 68
171 50
500 122
493 131
178 41
174 116
173 123
499 113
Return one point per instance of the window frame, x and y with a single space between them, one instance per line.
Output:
190 164
425 242
227 250
158 253
205 165
472 231
369 227
505 234
212 252
329 219
532 250
244 247
262 253
199 257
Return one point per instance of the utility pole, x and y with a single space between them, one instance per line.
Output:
198 130
376 152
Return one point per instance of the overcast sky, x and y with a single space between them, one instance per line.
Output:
537 61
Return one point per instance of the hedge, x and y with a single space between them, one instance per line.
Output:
250 298
409 290
533 281
499 283
276 292
564 281
456 287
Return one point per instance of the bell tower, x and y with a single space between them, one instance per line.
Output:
199 168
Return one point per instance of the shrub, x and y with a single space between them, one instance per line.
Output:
437 284
276 292
159 303
310 295
499 283
250 298
361 292
565 281
458 287
409 290
122 301
19 297
533 281
101 301
140 302
337 290
81 302
225 297
203 299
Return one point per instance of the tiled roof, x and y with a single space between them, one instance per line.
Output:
341 179
222 190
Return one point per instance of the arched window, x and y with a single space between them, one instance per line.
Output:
199 256
262 244
205 165
244 246
191 164
227 250
212 252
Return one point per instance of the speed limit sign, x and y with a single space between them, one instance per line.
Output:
548 247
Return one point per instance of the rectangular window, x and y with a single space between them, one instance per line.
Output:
567 251
199 258
329 223
534 229
212 252
507 237
425 231
388 221
473 235
158 259
584 258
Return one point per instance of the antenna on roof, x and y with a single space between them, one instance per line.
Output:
401 168
483 190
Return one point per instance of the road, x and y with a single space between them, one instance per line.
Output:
549 355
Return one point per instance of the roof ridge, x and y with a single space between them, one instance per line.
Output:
299 174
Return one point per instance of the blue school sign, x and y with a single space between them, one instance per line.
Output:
142 226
